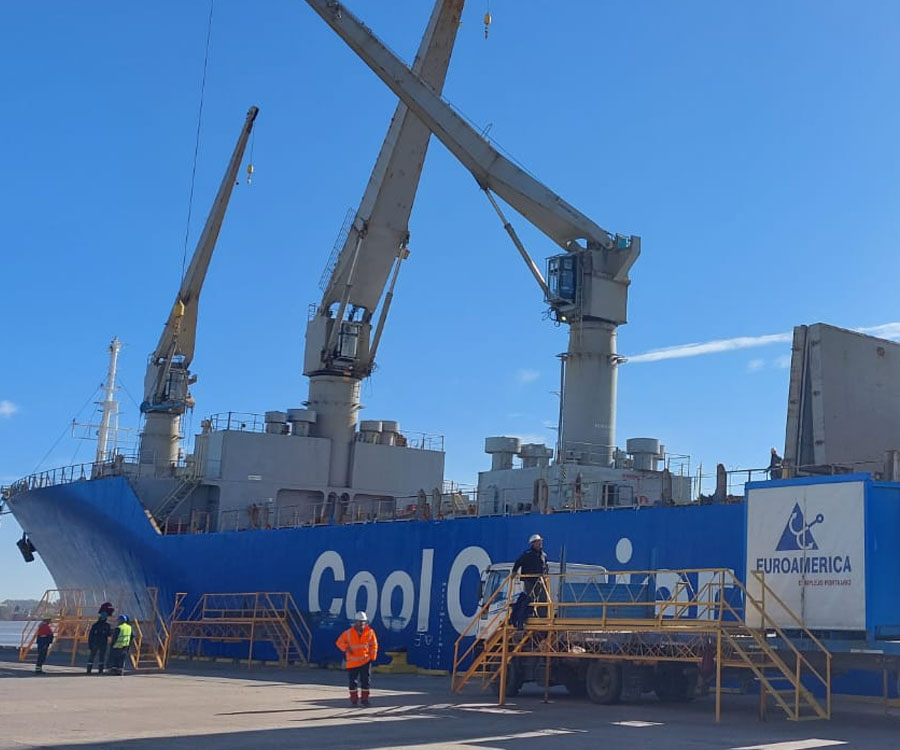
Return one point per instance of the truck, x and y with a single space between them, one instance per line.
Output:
583 593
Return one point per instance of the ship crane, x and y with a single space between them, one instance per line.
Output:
166 383
342 336
586 286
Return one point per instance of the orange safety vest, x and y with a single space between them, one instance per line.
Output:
359 648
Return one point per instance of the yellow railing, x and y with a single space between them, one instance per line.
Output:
802 664
251 617
72 611
699 604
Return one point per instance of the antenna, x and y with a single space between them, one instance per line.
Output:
109 405
108 429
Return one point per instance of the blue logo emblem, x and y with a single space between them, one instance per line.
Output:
797 535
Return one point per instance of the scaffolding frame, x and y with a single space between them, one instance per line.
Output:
72 612
616 616
250 618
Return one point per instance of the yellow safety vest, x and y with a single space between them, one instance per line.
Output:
123 640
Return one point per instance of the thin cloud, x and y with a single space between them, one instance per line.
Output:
885 331
711 347
782 362
7 408
526 376
755 365
533 438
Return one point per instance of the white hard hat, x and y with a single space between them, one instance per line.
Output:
361 617
534 538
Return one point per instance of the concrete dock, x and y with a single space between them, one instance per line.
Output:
210 705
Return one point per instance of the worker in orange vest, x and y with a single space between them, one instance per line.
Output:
360 646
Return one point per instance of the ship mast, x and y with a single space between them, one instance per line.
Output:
109 406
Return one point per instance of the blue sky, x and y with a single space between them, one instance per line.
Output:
752 146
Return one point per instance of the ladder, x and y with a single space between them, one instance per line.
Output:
170 503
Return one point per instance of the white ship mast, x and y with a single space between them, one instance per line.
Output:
109 407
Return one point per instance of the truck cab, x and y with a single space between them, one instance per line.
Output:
494 576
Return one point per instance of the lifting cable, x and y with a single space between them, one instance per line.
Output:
187 227
65 430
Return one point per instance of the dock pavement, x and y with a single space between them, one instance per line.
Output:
215 706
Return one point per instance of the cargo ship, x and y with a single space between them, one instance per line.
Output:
350 514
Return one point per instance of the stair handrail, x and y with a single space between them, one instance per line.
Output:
758 670
500 619
299 626
766 617
799 655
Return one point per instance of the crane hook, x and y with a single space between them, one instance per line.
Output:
487 23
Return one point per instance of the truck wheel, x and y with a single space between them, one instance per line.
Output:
603 682
675 683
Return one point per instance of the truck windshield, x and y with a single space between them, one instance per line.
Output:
493 580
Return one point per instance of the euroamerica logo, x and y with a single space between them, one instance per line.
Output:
798 537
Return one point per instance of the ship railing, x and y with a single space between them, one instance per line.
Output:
727 485
570 495
50 478
424 441
237 421
122 464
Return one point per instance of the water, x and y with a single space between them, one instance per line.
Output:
11 632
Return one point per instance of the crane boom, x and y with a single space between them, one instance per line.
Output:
550 213
340 345
166 395
586 287
179 332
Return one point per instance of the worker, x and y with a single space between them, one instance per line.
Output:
360 647
532 564
121 642
44 639
776 465
98 640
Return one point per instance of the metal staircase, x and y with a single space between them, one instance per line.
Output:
228 623
611 618
775 658
72 612
175 498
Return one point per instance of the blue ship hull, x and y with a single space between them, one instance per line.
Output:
418 580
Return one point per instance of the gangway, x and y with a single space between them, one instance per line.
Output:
241 620
72 612
641 630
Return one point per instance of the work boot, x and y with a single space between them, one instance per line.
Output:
365 698
89 668
354 697
100 671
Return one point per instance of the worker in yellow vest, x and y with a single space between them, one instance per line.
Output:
360 646
121 642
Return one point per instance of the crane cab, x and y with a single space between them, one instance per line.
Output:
562 279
